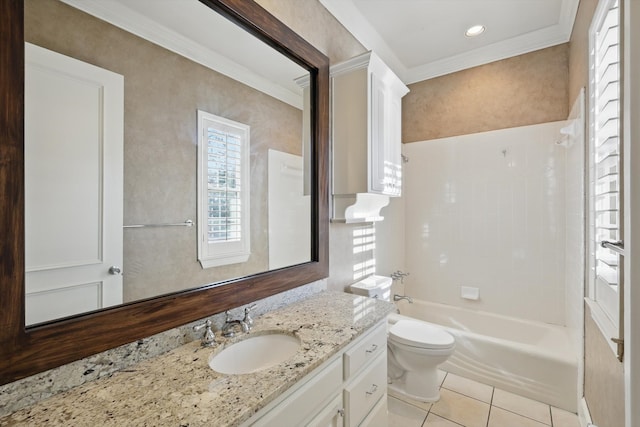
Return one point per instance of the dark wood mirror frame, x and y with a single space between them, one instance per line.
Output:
26 351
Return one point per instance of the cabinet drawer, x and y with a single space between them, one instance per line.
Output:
372 345
331 416
379 416
365 391
305 400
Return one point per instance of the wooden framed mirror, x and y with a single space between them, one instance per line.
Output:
26 350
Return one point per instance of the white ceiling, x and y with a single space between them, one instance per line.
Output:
422 39
191 29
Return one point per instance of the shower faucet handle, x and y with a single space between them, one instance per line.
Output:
398 274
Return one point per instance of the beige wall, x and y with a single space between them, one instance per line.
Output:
604 375
162 93
603 378
519 91
316 25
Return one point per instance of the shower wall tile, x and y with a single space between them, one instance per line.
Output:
488 210
575 220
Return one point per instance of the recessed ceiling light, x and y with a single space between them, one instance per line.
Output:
474 31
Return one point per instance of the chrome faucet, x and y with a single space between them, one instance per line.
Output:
230 325
397 297
208 338
399 275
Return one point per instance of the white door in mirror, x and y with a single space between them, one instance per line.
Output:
74 114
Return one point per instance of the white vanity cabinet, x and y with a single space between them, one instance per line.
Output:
348 390
366 109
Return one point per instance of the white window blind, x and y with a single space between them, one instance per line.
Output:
606 140
223 180
606 210
224 186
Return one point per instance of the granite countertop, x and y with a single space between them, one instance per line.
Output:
179 389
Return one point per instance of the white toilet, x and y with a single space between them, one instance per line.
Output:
414 348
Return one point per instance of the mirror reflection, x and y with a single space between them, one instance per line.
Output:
164 150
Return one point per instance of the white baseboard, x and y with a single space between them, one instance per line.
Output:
583 413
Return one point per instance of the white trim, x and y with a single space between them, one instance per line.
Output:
602 302
631 135
584 416
526 43
351 18
122 17
604 323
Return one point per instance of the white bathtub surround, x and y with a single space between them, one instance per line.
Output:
531 359
470 293
488 210
575 228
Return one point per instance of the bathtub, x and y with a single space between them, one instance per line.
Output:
532 359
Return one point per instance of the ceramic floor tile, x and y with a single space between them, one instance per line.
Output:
468 387
522 405
562 418
422 405
402 414
461 409
435 421
501 418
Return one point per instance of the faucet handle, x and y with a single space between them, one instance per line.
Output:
247 317
205 324
209 338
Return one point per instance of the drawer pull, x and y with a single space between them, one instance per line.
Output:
341 412
373 389
373 348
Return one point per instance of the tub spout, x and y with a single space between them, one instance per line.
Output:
397 297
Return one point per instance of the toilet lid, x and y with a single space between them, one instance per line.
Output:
420 334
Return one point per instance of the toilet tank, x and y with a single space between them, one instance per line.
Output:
374 287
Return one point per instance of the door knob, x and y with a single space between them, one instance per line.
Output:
115 270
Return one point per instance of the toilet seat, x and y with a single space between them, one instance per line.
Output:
420 334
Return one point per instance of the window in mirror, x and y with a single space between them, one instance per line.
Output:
223 202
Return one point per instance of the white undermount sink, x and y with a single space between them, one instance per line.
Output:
255 353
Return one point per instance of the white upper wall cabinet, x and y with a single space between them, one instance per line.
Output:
366 116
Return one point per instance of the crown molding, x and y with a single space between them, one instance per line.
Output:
351 18
122 17
509 48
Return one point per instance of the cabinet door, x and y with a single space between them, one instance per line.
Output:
302 403
331 416
377 175
393 146
378 417
385 171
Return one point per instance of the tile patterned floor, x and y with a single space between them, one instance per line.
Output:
468 403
